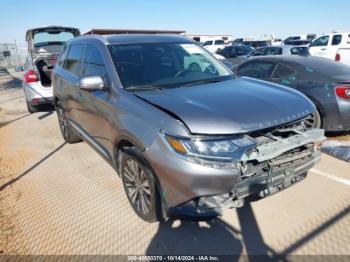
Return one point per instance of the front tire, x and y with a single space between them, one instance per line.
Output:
140 187
68 133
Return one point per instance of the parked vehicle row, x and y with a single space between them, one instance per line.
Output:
234 58
335 46
325 82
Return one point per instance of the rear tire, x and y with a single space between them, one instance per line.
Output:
31 109
68 133
140 187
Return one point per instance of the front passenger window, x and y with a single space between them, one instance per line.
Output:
321 41
94 64
73 60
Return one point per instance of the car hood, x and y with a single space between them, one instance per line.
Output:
231 107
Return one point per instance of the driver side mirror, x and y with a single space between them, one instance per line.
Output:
91 83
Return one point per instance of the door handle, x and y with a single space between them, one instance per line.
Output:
323 49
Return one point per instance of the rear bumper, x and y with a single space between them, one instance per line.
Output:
36 94
250 189
339 119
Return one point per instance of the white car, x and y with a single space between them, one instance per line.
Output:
214 45
334 46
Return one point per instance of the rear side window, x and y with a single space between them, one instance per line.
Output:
94 64
282 71
321 41
303 51
274 51
258 69
259 52
73 60
219 42
336 40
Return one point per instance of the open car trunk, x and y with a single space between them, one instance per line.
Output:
44 67
44 45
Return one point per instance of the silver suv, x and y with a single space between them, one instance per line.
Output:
186 136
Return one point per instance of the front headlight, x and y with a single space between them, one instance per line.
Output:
221 150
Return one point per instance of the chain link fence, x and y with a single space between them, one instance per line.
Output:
11 55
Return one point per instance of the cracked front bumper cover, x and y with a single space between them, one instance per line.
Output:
249 189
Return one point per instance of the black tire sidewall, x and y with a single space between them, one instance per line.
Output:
154 213
71 136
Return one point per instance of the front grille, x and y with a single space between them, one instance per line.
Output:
293 158
284 131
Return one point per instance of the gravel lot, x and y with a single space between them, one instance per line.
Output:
57 198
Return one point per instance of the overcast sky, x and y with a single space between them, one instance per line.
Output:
252 18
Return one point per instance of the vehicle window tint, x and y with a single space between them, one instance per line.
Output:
259 52
94 64
62 56
73 60
219 42
336 39
208 43
321 41
282 71
274 51
258 69
243 50
303 51
228 49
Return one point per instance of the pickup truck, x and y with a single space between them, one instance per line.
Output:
214 45
334 46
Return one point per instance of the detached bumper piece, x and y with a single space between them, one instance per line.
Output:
276 178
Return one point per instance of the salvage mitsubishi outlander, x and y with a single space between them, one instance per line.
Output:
187 137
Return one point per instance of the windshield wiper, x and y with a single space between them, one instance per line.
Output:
143 88
201 82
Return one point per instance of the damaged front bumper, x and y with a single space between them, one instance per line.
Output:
192 190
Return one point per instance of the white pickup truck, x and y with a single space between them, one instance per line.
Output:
335 46
214 45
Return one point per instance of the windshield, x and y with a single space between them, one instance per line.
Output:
51 38
149 65
208 43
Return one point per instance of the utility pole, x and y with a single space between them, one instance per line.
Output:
16 52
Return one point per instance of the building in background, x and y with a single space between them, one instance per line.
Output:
205 38
131 31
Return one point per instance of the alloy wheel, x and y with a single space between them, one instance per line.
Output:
137 186
62 122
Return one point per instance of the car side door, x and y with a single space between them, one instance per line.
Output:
256 69
72 66
96 110
319 46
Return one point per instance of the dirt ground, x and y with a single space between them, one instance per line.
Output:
64 199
